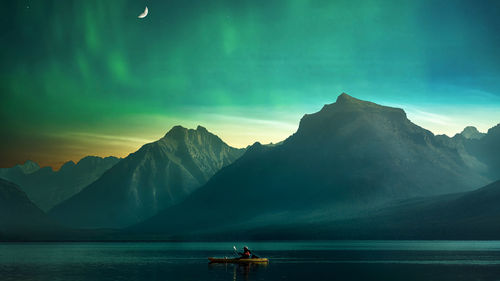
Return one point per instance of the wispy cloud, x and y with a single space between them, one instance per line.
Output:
451 119
420 115
255 121
105 138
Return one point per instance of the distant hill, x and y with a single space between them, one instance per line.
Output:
156 176
351 155
19 217
47 188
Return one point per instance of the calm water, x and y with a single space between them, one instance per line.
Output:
344 260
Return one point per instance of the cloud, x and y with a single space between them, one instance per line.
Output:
420 115
254 121
109 139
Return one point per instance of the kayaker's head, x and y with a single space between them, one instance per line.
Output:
245 248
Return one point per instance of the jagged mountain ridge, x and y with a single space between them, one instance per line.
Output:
47 188
487 150
19 170
29 167
479 151
350 155
156 176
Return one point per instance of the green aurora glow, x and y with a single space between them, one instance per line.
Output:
86 77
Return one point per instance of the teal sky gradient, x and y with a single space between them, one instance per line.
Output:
87 77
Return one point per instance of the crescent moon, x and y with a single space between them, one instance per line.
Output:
144 14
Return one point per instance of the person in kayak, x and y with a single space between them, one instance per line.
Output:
246 253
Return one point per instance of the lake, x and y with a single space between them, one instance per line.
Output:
318 260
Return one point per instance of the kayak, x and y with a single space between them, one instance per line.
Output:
235 260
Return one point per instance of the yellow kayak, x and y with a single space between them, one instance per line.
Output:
235 260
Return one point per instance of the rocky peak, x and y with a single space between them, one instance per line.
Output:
67 165
494 131
347 109
179 134
345 98
201 129
471 132
176 131
347 103
29 167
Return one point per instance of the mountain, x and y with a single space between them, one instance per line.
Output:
47 188
19 170
349 156
28 167
156 176
471 132
487 150
19 217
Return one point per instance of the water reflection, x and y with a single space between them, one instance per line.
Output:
239 271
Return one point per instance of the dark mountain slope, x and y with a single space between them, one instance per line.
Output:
19 217
469 215
487 150
158 175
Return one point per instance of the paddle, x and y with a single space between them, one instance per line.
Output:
254 256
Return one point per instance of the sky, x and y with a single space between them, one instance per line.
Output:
87 77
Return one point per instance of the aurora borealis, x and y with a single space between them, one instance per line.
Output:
87 77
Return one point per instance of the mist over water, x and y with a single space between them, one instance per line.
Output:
325 260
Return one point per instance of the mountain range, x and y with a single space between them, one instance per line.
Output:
353 170
27 168
350 156
156 176
47 188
